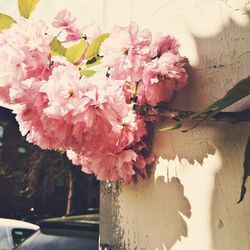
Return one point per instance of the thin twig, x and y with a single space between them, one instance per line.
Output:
231 117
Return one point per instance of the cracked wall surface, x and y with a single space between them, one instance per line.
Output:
190 202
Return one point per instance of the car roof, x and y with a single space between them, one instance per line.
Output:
89 222
84 218
11 223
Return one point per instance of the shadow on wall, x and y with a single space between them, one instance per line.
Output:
223 64
193 146
160 219
230 221
172 212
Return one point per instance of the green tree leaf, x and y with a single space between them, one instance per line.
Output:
26 7
246 171
238 92
57 48
74 53
5 21
94 47
87 72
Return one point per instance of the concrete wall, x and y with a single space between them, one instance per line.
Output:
190 202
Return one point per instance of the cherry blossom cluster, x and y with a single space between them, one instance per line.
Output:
91 117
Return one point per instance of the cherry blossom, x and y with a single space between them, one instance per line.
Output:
95 119
64 19
161 78
125 51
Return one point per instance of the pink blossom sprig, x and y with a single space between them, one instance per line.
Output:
68 102
155 66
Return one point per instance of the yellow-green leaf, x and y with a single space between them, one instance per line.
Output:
26 7
5 21
74 53
57 48
94 47
87 72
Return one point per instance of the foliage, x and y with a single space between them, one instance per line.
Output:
5 21
75 52
26 7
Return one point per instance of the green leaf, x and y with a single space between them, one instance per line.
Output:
246 171
26 7
57 48
238 92
5 21
94 47
87 72
74 53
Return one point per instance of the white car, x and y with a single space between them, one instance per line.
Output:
13 232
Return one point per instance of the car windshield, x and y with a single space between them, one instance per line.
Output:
42 241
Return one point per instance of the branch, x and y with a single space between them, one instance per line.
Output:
231 117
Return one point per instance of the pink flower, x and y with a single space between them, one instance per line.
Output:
24 53
104 109
12 67
30 114
160 78
37 64
132 131
90 110
165 44
118 167
91 31
140 162
64 19
172 66
4 95
125 51
122 164
63 90
12 70
154 93
88 32
73 34
80 160
31 34
128 90
107 96
108 132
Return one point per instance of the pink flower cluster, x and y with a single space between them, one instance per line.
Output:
24 53
91 118
156 65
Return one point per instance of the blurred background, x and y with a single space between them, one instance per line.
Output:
35 183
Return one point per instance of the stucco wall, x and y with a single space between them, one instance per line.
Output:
190 202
